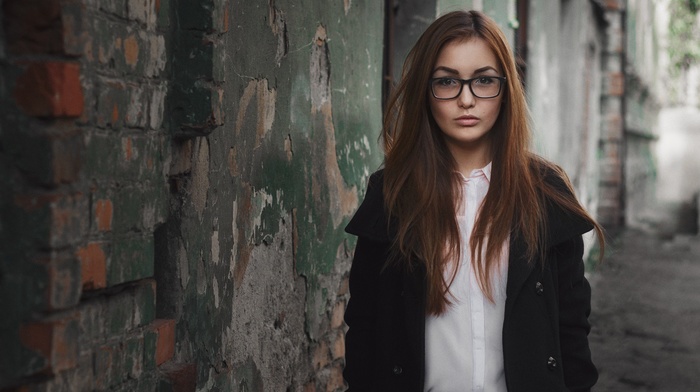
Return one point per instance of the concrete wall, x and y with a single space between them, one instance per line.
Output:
643 82
502 11
178 176
678 170
543 76
581 45
575 88
411 18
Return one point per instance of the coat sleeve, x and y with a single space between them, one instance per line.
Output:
574 308
360 314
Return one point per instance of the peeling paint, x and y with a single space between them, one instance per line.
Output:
215 247
200 175
320 70
215 290
202 282
209 385
343 200
279 29
183 264
242 244
232 162
266 100
261 199
288 147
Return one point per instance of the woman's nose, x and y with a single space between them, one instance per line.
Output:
466 98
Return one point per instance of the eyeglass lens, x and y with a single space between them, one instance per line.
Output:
481 87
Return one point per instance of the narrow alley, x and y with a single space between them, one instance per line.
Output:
646 314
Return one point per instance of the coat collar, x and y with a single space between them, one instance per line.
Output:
371 220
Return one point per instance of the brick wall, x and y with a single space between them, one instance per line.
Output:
611 206
177 176
83 155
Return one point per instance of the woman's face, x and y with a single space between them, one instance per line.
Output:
466 120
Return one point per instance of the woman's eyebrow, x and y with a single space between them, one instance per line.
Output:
455 72
446 69
484 69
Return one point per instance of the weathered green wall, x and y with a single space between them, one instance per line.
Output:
256 236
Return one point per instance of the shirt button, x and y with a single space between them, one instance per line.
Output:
552 363
397 370
539 288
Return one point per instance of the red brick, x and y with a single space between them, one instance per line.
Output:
614 5
93 263
39 337
112 102
615 84
62 285
67 160
50 89
56 341
62 217
104 211
33 26
612 127
48 157
165 343
182 377
131 50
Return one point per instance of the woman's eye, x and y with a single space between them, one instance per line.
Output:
485 80
447 82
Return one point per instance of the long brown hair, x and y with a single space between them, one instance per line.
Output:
420 177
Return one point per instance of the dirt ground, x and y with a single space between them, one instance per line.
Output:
646 314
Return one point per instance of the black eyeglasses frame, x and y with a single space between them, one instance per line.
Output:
468 82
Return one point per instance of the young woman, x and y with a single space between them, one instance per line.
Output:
468 272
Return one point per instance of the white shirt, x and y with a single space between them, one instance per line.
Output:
463 346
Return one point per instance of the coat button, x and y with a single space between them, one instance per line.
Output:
552 363
397 370
539 288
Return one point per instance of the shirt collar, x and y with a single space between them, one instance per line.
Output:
486 171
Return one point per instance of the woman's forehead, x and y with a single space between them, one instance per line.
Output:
466 56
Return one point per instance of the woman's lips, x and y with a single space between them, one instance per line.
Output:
467 121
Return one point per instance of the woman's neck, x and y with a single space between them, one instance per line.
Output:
469 159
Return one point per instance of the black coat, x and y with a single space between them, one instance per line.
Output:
545 330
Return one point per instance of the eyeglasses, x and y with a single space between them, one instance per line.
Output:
481 86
